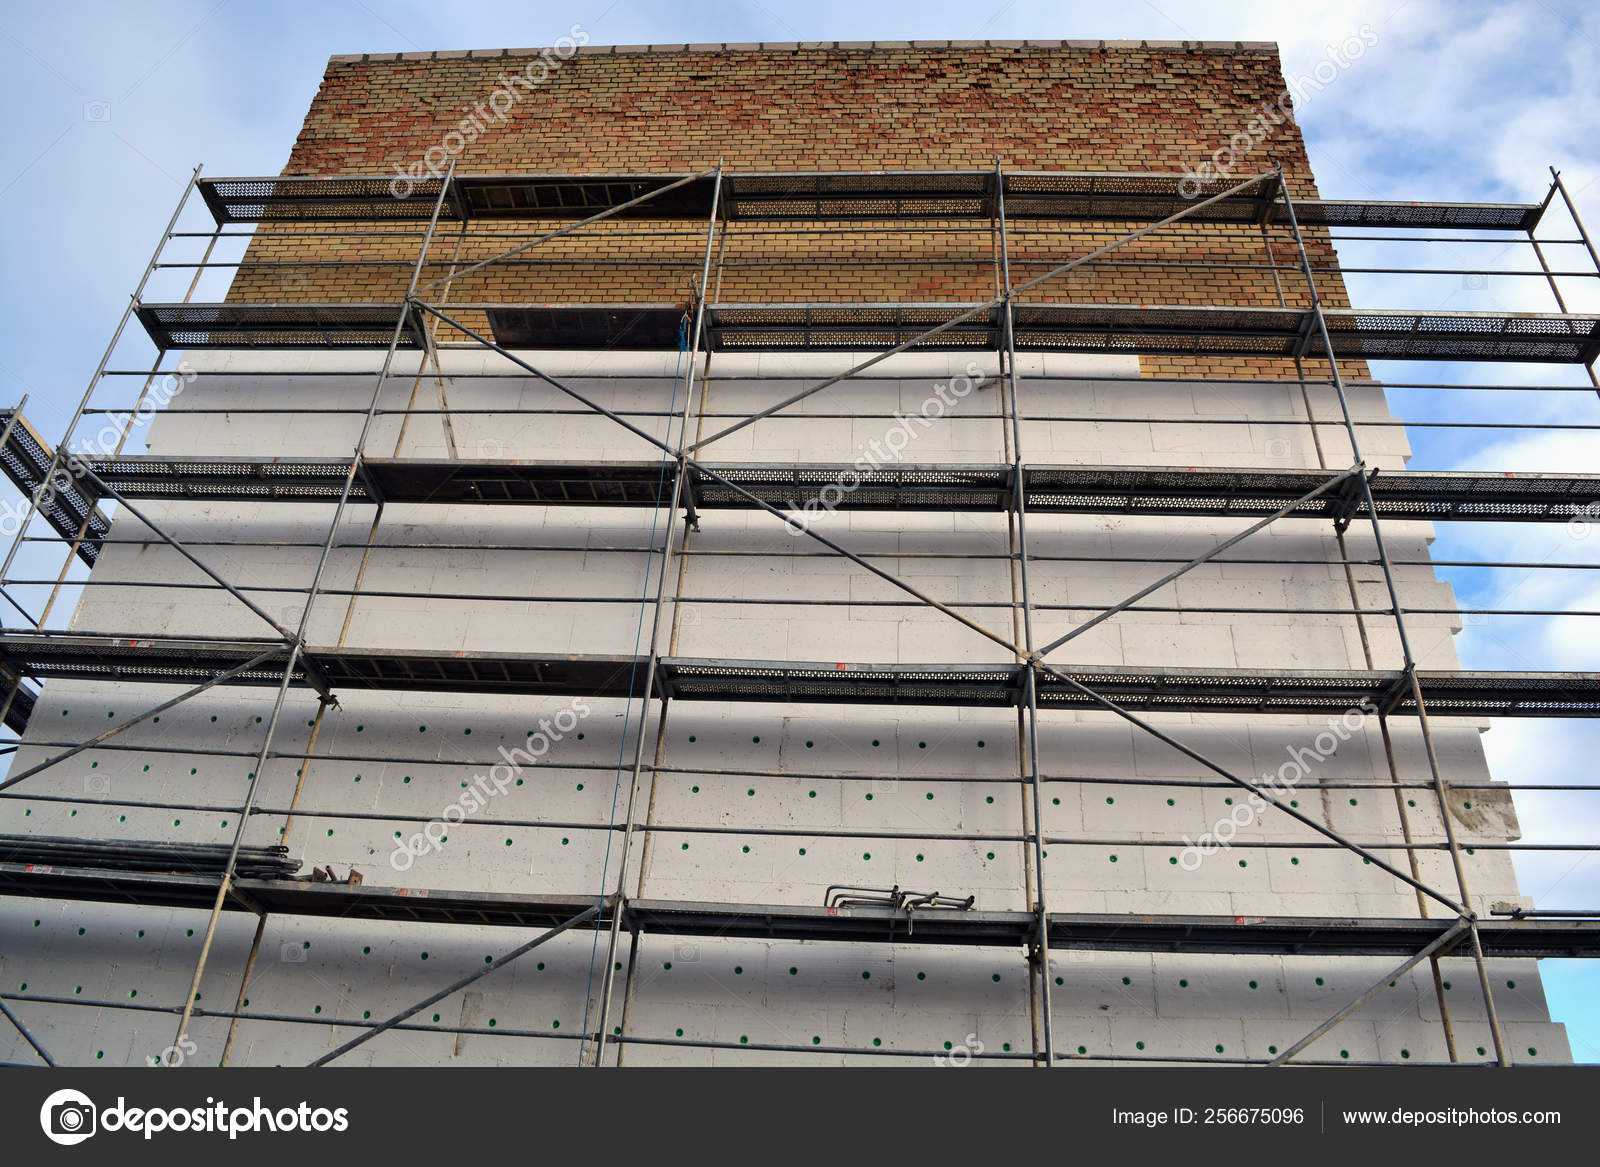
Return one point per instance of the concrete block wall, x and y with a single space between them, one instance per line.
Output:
749 803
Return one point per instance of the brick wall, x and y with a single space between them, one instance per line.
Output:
1033 105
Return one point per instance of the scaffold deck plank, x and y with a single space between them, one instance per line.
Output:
1268 935
48 656
823 196
963 487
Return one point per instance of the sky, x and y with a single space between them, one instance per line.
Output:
115 103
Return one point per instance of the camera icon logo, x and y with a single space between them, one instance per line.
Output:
97 111
1278 449
686 953
885 785
68 1117
292 952
493 448
96 784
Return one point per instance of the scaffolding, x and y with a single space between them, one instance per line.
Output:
73 497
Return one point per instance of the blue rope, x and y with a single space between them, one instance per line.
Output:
644 700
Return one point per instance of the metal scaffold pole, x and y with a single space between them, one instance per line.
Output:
1409 661
297 649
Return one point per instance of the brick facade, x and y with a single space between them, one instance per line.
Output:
1072 106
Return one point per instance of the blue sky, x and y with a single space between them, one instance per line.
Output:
114 103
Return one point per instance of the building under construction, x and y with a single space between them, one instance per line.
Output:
743 554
